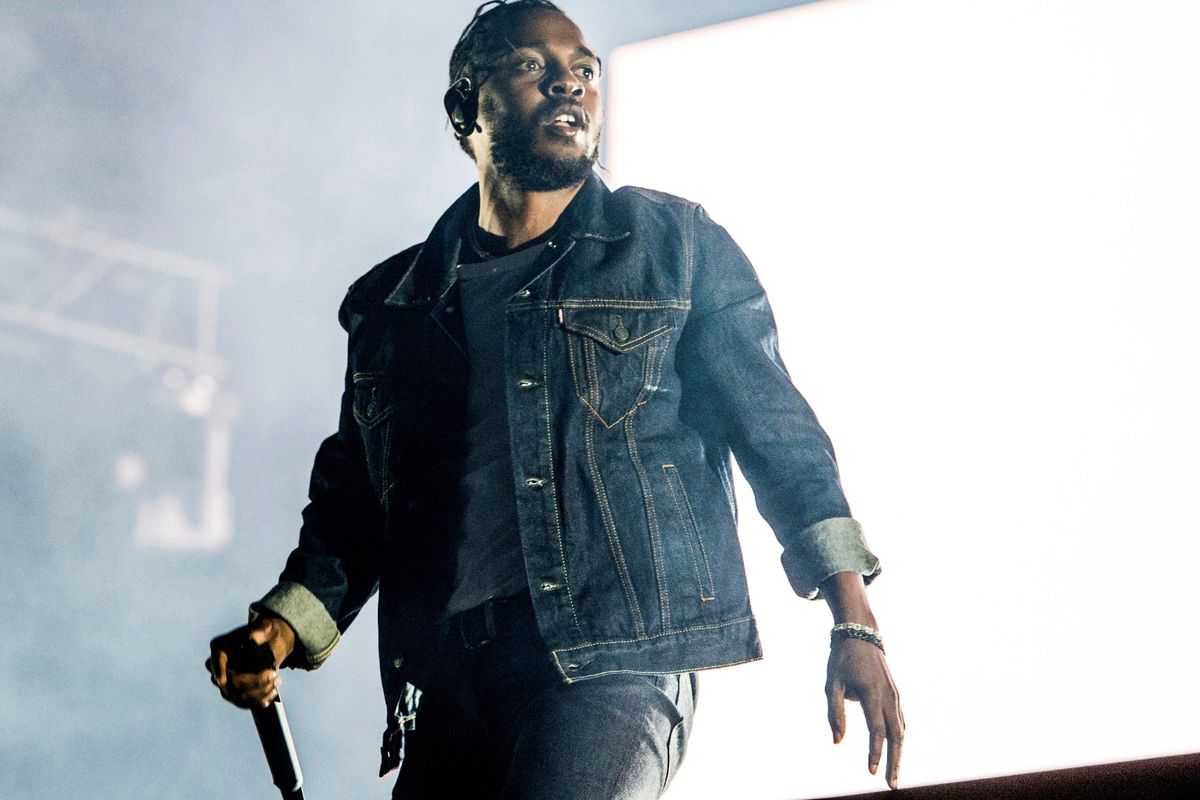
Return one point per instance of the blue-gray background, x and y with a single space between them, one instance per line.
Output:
295 145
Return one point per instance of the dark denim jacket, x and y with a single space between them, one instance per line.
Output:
635 362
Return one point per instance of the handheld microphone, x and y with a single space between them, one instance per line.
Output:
273 731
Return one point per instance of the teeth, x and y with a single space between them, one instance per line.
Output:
568 118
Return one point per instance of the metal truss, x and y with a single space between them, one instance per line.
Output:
63 282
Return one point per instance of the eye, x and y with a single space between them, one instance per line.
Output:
586 72
529 65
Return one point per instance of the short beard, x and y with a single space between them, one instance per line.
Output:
515 158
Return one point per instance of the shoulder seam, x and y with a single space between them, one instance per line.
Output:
661 198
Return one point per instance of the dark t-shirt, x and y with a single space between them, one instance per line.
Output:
489 560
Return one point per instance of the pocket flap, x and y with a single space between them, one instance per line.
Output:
373 401
618 329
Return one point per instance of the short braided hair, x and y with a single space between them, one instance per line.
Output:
486 38
486 35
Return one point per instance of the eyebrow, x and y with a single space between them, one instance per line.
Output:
538 43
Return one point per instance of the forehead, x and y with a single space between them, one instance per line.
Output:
548 30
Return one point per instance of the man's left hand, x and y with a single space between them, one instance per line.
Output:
858 671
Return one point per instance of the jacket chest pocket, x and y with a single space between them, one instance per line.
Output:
374 409
615 357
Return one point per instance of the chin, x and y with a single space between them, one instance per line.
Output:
540 163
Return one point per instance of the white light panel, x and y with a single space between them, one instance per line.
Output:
979 225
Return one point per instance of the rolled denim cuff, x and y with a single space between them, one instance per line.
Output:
316 632
826 548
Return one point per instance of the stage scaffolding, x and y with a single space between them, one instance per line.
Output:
60 282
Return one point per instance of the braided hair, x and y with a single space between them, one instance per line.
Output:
486 35
486 38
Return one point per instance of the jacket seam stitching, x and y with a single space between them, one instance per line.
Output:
668 469
656 543
320 656
594 387
562 551
723 664
650 637
614 542
687 503
384 473
656 374
625 347
604 302
689 247
661 198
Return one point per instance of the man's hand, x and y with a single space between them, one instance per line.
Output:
253 689
858 671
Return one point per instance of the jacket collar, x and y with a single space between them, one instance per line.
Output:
588 217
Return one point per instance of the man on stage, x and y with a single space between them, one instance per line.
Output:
533 464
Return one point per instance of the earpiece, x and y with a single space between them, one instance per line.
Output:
462 106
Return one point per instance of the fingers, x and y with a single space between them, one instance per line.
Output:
277 633
253 689
885 722
836 697
895 740
216 666
244 689
262 630
894 719
877 728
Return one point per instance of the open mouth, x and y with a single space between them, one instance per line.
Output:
567 122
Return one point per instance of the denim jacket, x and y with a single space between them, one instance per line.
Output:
638 359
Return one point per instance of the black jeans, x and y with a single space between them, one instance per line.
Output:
498 721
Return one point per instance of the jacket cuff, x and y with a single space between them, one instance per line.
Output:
316 632
826 548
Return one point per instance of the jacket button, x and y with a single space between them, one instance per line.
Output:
550 586
397 662
621 333
524 293
527 383
550 245
535 483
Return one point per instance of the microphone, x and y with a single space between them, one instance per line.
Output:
273 731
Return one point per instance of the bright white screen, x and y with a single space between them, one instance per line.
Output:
978 225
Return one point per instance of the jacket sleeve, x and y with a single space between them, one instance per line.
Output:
334 569
729 355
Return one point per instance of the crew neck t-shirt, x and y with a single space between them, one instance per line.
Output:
489 559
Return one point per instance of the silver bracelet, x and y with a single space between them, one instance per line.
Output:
854 630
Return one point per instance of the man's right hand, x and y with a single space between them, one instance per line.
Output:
253 689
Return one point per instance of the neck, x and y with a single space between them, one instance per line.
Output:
517 215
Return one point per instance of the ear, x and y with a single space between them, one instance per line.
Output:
462 106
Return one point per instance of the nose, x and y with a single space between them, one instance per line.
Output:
563 82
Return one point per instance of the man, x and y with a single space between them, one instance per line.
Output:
532 464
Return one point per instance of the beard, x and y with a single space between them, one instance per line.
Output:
515 155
